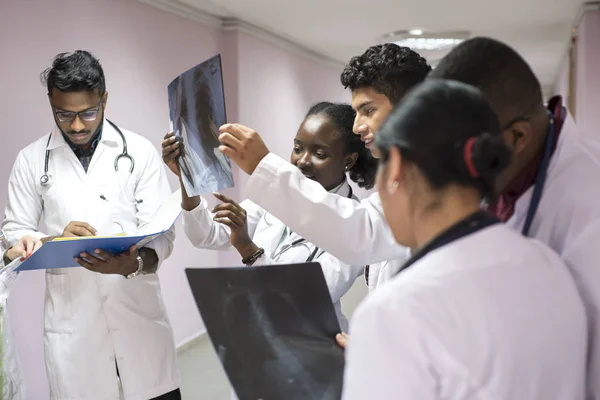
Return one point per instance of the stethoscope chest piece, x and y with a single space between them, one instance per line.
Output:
46 180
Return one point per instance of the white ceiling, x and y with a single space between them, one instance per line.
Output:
340 29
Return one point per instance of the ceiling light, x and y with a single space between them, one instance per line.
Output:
428 43
418 39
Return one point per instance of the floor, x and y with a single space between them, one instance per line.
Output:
201 373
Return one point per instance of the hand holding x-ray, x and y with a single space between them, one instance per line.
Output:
197 109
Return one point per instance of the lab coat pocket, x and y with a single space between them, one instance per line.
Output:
58 304
146 287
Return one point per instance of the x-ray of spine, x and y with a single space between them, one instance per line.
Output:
197 109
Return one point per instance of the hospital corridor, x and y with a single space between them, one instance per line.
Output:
299 200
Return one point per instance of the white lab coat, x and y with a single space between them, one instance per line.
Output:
278 187
568 220
267 232
94 320
472 321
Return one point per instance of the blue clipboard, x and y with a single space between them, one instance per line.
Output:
60 254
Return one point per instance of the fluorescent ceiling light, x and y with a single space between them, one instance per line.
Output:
420 39
428 43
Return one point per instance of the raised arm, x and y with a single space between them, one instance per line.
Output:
354 232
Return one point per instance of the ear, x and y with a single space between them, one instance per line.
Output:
350 161
393 170
104 100
518 136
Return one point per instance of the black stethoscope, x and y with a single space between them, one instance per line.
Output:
540 179
45 178
312 255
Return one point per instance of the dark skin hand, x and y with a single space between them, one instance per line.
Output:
74 229
233 215
118 264
170 152
228 213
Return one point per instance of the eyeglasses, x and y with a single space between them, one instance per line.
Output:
86 115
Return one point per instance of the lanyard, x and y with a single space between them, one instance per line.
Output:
467 226
300 240
540 179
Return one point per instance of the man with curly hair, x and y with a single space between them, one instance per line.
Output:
378 80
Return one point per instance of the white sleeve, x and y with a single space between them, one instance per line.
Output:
386 357
204 232
354 232
24 208
153 189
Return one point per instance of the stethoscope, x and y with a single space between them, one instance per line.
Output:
540 179
312 255
45 178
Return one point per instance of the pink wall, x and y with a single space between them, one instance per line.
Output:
141 50
588 74
276 89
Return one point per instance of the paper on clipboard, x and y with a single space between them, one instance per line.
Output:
60 253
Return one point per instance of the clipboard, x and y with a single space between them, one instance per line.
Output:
60 252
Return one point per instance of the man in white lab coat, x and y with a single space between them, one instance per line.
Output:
545 141
567 217
378 79
106 332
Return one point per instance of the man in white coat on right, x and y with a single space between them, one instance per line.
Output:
545 143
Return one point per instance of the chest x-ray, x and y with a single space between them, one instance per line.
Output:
197 110
273 329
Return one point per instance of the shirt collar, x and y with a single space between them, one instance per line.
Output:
80 152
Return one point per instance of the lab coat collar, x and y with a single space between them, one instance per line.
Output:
566 140
343 189
109 136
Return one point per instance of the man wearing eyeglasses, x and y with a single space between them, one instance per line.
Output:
106 332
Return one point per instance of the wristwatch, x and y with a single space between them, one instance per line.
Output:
5 257
248 261
140 269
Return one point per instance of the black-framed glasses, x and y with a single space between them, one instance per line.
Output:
85 115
